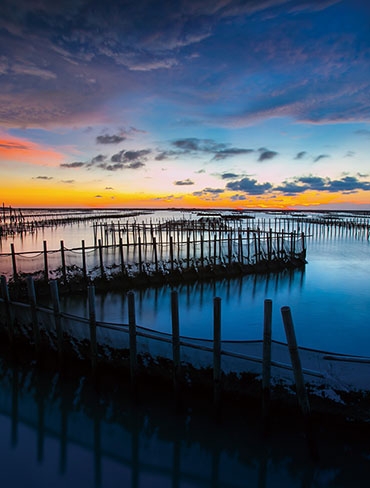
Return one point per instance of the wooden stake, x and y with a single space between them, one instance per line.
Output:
46 270
15 274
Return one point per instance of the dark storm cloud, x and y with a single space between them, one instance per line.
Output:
300 155
43 178
183 182
320 156
265 154
107 139
250 186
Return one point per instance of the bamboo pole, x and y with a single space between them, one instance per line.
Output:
84 269
63 259
296 361
14 263
101 258
46 270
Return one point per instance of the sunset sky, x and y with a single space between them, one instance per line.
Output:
204 103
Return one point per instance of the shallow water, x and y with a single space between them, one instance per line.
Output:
58 433
329 298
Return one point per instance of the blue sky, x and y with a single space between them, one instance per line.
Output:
188 103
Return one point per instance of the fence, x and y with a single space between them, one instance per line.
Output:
161 250
137 347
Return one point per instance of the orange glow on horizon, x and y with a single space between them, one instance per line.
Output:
59 195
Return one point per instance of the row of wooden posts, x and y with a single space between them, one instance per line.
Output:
250 249
175 341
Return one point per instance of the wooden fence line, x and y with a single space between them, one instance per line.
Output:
246 247
175 340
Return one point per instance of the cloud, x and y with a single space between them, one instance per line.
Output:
320 156
194 146
75 164
43 178
265 154
109 188
300 155
209 194
250 186
110 139
229 176
183 182
67 181
98 196
130 156
98 159
346 185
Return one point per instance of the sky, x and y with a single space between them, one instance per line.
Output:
182 104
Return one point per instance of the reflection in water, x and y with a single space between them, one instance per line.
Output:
64 433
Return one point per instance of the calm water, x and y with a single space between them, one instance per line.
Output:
329 299
60 434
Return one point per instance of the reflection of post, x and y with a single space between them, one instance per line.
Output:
216 351
35 323
40 422
15 387
97 448
57 319
132 332
9 319
63 259
63 435
215 466
266 365
175 341
92 318
176 464
15 274
84 269
135 450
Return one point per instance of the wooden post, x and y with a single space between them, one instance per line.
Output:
64 272
171 253
132 332
216 351
140 257
266 361
295 360
46 269
84 269
121 255
101 258
8 312
33 305
57 319
15 274
92 320
175 341
155 254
